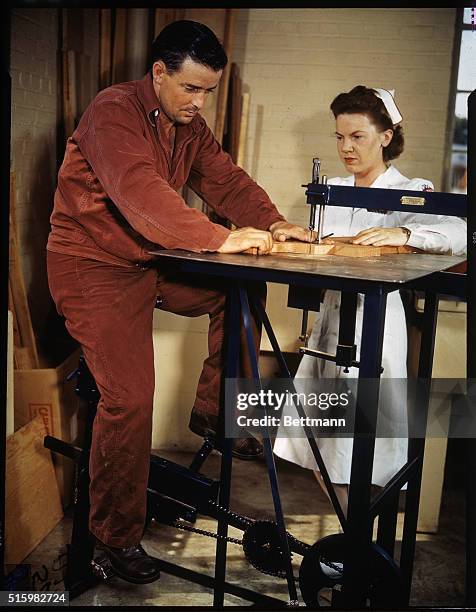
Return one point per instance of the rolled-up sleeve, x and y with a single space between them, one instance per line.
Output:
433 233
122 158
443 235
436 233
228 189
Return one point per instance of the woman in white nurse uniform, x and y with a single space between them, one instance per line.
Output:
369 135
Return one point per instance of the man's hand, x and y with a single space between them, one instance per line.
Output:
282 230
246 238
381 236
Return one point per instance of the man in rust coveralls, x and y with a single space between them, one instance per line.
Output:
135 146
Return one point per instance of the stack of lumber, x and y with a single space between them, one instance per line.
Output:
232 107
116 45
223 88
37 390
232 122
32 501
164 16
81 73
237 117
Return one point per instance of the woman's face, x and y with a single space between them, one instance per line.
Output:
360 144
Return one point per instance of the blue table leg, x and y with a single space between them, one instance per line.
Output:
416 446
268 451
359 523
233 353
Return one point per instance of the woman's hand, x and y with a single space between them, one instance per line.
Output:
282 230
382 236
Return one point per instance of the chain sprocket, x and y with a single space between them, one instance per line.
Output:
261 540
263 549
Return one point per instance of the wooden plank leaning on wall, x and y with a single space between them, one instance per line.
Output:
228 40
245 110
119 46
164 16
25 351
105 48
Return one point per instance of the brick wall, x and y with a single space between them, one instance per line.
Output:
34 116
296 61
35 75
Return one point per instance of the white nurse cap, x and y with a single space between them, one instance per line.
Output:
389 102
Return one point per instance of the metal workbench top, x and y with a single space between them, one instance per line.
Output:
401 268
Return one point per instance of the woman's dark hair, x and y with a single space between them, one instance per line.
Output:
182 39
363 100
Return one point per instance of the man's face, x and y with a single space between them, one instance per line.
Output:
182 94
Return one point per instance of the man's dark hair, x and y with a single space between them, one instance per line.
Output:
363 100
182 39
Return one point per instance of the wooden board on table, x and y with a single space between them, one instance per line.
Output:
295 247
342 248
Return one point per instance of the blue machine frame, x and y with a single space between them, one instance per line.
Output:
237 273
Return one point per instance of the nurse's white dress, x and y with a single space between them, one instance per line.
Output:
432 233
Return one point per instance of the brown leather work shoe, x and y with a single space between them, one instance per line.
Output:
247 448
132 564
205 425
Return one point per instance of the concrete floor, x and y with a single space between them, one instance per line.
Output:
439 560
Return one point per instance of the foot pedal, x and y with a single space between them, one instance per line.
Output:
102 568
178 482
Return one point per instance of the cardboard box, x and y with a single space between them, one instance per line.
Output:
32 500
449 362
45 392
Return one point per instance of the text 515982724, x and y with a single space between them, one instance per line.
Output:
34 598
